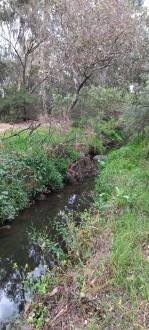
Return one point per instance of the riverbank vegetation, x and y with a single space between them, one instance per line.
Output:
102 280
36 160
81 68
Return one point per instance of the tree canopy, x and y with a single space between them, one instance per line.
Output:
50 46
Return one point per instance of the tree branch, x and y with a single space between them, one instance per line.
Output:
9 41
32 91
31 127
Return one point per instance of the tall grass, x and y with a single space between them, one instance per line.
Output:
123 185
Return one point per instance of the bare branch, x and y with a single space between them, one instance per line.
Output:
32 91
10 42
31 127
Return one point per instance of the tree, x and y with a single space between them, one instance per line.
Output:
64 45
136 112
94 35
137 3
23 36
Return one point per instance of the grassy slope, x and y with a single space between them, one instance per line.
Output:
125 183
105 285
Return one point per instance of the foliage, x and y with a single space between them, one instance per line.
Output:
107 252
97 101
44 156
28 165
29 63
18 105
44 171
136 111
61 104
85 135
47 245
14 192
99 109
23 177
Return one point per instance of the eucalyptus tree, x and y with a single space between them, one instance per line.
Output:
69 43
92 35
23 39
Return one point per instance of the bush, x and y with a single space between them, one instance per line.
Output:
21 177
60 105
136 111
97 100
18 105
28 166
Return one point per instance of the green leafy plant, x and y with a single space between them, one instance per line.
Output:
18 105
135 112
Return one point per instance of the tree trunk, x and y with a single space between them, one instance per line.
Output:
74 102
76 98
43 59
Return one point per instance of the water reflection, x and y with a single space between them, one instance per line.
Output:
12 295
15 246
72 199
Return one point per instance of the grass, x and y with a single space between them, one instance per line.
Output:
105 276
125 181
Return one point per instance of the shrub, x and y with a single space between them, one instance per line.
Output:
136 111
20 178
61 104
18 105
97 100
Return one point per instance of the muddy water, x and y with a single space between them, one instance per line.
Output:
15 246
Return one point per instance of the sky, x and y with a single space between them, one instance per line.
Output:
146 2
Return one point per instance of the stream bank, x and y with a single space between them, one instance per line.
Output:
17 249
25 177
104 283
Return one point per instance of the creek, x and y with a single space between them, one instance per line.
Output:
15 246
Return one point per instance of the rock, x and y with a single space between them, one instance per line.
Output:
99 157
5 227
40 197
47 192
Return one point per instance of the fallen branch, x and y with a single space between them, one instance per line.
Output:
31 127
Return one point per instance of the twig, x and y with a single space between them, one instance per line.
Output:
31 127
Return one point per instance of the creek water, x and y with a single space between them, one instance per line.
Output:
15 246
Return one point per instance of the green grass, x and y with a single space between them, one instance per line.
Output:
129 266
25 143
123 185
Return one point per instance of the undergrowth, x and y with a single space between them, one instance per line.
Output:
27 165
32 160
103 283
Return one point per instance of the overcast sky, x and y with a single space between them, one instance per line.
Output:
146 2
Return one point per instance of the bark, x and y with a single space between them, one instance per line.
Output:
76 97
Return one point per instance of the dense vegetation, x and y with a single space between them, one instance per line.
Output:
30 166
83 64
103 280
32 159
51 50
